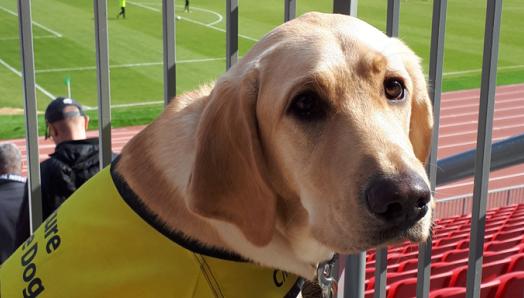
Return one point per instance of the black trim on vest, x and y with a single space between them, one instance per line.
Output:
134 202
152 219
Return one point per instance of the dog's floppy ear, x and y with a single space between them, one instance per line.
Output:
421 122
228 177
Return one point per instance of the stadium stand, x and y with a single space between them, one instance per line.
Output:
502 267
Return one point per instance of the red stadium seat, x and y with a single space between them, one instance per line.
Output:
451 240
463 244
436 250
448 293
511 285
491 256
455 255
408 265
510 234
443 267
503 245
516 263
408 287
490 272
392 277
487 290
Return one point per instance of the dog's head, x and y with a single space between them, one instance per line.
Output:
320 135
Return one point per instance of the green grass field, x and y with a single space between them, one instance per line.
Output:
64 47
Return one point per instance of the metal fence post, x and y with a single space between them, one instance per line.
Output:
393 16
348 7
354 275
381 265
231 33
31 135
102 75
290 9
436 59
169 42
484 134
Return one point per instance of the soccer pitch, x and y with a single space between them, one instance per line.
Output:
65 48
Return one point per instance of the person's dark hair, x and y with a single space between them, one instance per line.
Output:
10 159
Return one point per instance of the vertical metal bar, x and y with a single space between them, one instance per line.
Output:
381 265
169 41
483 156
231 33
102 75
355 264
31 135
436 60
393 18
354 275
348 7
290 9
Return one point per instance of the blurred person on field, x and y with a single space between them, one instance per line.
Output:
12 186
122 9
75 160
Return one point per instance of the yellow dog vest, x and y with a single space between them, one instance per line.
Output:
97 245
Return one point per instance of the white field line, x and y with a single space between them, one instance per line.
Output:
34 37
48 94
190 20
476 112
478 70
471 182
474 131
147 103
475 121
35 23
82 68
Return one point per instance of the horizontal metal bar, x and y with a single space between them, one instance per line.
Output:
505 153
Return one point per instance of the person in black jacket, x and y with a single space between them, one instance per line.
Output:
12 186
75 160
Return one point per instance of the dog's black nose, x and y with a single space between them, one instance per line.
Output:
398 199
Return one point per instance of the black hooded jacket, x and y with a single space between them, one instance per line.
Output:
72 164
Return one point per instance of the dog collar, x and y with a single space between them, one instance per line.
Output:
327 277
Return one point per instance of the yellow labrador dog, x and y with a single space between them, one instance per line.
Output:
313 144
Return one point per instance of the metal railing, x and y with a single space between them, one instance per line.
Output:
355 264
461 205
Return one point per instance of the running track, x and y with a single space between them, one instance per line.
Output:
457 133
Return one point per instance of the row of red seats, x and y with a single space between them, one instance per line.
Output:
453 256
498 230
452 275
509 285
503 261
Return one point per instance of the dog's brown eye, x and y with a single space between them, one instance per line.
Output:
308 106
394 89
